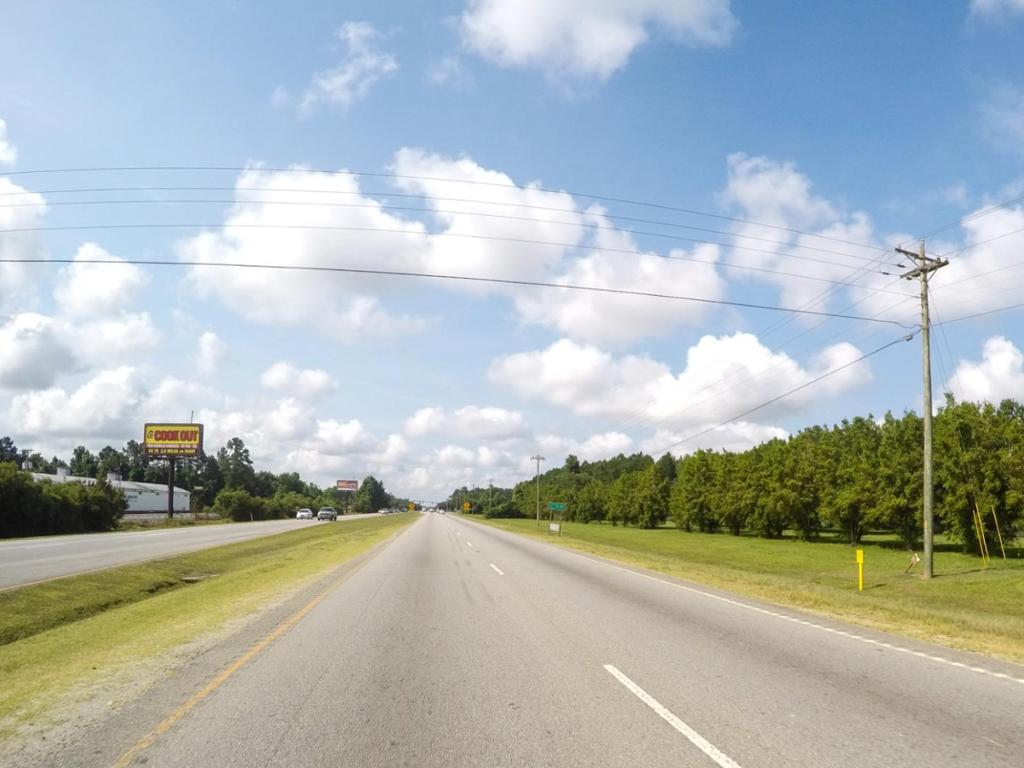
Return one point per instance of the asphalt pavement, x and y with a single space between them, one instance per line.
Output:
25 561
461 645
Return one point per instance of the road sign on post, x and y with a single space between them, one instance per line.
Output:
557 506
412 507
466 506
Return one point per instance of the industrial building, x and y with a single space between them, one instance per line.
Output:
141 497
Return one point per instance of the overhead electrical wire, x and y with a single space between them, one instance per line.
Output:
437 276
407 233
448 180
376 205
777 398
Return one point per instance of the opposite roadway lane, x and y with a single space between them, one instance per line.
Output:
460 645
25 561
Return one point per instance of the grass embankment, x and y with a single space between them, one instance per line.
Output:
966 606
62 635
127 524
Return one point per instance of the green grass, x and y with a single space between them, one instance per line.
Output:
966 606
91 629
178 522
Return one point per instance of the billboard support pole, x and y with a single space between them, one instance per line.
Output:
170 491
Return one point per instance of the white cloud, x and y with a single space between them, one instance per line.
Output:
598 317
597 447
8 152
737 436
259 232
107 341
781 199
716 384
91 290
1002 117
27 214
999 374
449 71
304 383
488 423
362 67
32 354
995 9
498 208
209 353
587 38
105 406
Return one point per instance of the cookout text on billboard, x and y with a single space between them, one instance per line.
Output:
347 485
169 440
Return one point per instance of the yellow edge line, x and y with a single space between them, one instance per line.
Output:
147 741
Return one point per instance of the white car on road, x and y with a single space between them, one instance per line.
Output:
304 514
326 513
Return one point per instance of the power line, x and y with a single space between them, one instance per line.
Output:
422 209
981 314
398 231
442 276
766 403
972 216
408 177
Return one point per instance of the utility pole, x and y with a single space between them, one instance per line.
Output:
490 488
923 266
538 458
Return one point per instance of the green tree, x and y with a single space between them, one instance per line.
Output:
83 462
371 496
236 466
690 500
8 450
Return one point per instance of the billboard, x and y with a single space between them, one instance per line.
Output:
172 440
347 485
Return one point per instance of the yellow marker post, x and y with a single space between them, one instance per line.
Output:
860 570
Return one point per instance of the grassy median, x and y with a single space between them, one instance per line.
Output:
60 636
966 606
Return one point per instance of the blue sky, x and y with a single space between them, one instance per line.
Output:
865 123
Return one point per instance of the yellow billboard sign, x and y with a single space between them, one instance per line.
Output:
170 440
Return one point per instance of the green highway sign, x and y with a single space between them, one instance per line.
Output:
557 506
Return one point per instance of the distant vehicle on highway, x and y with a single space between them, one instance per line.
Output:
327 513
304 514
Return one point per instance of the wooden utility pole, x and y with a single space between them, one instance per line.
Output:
923 266
538 458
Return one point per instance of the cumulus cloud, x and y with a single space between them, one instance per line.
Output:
995 9
598 317
583 38
209 353
304 383
27 214
32 354
498 208
997 376
8 152
106 341
257 231
469 421
781 199
603 445
104 406
714 385
91 290
362 67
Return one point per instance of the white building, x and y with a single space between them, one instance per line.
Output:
141 497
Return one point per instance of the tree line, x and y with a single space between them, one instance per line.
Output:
225 483
862 475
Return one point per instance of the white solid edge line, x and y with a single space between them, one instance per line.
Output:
692 736
497 570
784 617
469 544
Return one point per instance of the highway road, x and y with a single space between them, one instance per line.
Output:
459 645
25 561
